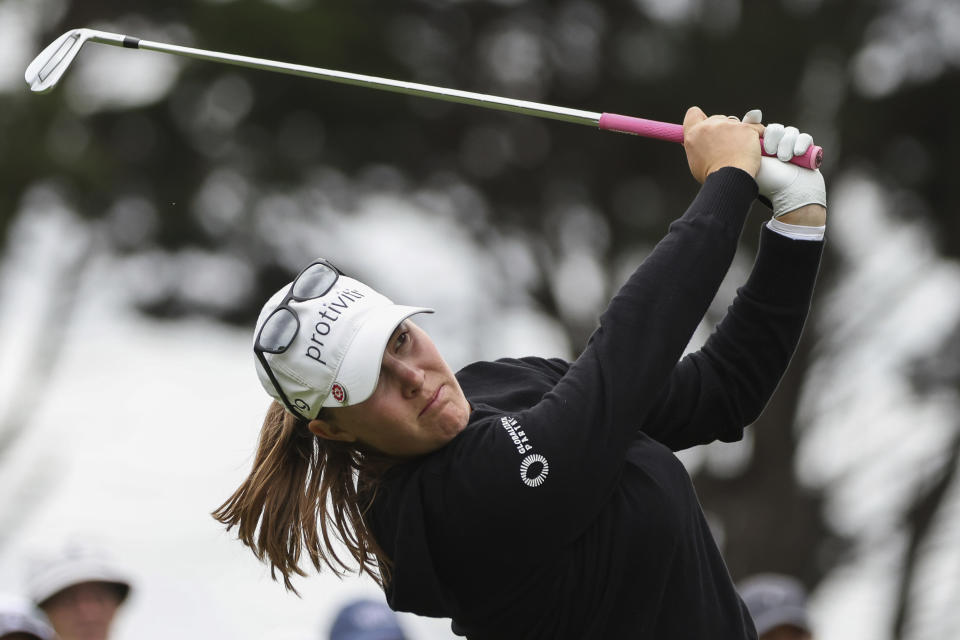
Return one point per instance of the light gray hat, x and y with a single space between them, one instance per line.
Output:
19 615
774 600
71 566
366 620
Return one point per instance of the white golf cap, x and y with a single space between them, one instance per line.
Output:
19 615
334 358
72 566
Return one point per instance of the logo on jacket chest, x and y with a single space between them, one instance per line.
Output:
515 431
534 467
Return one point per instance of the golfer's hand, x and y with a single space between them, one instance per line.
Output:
796 195
720 141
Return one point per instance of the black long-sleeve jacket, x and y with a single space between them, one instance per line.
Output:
561 510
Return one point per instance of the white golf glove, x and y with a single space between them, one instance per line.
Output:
784 186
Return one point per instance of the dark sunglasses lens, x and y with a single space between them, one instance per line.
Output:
314 282
278 331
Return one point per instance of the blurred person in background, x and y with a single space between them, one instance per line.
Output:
21 620
366 620
778 606
539 498
80 589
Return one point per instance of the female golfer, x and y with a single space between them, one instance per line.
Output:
538 498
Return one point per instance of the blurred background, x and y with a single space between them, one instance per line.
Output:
150 204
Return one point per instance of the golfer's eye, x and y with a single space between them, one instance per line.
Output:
401 338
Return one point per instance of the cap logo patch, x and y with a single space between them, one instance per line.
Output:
339 393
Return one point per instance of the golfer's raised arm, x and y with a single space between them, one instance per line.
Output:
583 427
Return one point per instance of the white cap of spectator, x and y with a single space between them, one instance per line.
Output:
73 565
19 615
774 601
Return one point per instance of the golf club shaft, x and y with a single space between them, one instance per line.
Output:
608 121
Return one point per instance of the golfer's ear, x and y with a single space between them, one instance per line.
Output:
330 431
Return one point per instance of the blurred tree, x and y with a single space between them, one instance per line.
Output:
58 258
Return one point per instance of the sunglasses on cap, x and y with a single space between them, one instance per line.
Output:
281 326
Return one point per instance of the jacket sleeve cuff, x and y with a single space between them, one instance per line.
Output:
796 231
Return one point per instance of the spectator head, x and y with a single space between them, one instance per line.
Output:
21 620
366 620
778 606
80 589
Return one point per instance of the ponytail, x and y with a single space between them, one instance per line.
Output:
296 477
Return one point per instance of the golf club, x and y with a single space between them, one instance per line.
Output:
47 68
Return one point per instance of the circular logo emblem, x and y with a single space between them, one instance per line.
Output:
534 470
301 404
338 392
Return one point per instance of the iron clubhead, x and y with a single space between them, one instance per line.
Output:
45 71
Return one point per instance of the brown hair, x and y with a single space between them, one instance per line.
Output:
296 477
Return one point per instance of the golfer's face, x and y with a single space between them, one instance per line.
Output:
418 405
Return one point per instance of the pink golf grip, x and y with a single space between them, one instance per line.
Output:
812 159
642 127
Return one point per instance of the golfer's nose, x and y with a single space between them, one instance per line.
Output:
408 375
